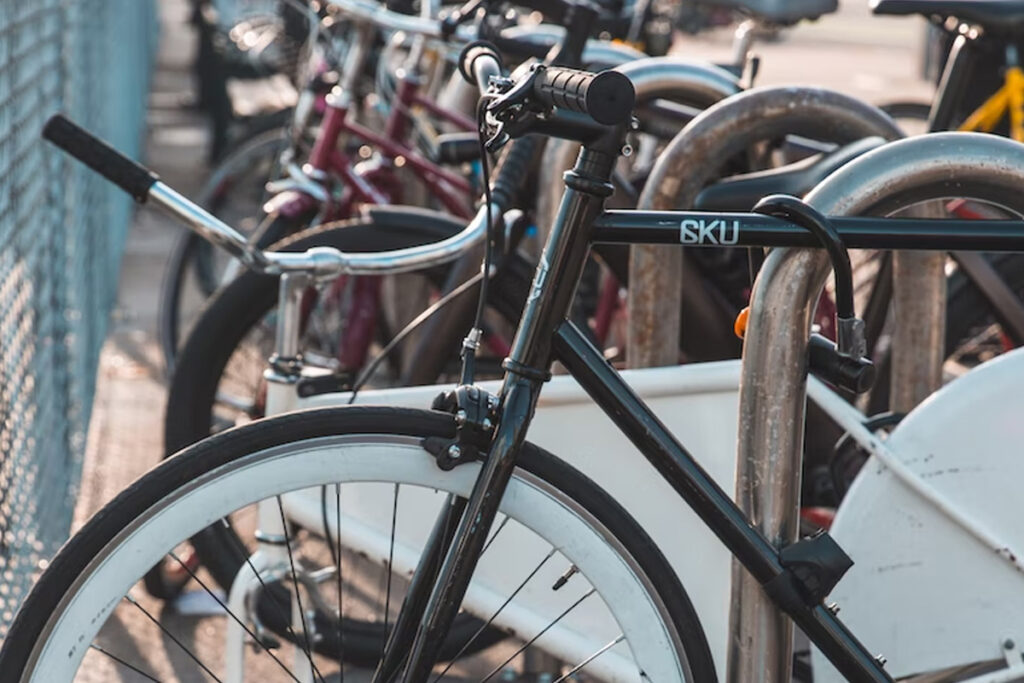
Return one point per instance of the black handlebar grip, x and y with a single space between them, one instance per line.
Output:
100 157
607 97
468 67
456 148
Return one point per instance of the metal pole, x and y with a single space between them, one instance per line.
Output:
772 401
692 160
919 279
773 379
655 285
919 324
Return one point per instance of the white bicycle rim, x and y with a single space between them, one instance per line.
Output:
653 651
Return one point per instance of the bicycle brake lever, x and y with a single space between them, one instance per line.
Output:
510 108
507 130
513 93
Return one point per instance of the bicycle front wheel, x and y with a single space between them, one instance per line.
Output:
566 570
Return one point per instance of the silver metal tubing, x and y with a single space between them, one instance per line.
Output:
693 159
773 379
208 226
656 270
296 178
743 40
919 322
692 81
291 288
425 256
769 451
695 156
974 166
319 262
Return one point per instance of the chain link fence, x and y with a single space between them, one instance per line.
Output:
61 233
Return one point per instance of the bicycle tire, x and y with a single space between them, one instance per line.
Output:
122 537
915 111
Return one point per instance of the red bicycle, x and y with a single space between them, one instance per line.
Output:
349 166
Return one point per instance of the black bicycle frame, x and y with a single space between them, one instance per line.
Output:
545 334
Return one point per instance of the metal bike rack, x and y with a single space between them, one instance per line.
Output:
693 159
703 83
773 381
919 324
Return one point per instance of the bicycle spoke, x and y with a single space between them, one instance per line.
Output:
493 536
544 630
220 602
591 658
123 663
242 381
495 615
391 557
337 568
298 596
323 518
958 362
170 635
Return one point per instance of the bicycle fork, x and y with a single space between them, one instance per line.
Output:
433 600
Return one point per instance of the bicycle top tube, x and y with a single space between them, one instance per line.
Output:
715 229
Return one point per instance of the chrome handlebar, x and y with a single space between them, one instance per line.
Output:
321 263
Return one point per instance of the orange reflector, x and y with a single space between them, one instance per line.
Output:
636 45
740 326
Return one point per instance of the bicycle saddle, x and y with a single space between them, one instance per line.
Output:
1002 17
742 192
779 11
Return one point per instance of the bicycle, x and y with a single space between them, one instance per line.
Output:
646 602
247 41
301 195
306 192
247 301
217 382
214 392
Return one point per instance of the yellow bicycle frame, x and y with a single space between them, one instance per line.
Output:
1009 98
